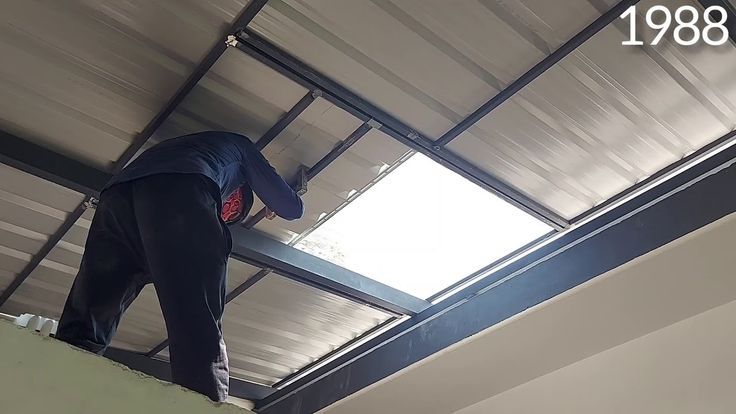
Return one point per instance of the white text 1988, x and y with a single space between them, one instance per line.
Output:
686 31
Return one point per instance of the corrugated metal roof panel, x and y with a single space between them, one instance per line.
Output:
431 63
44 292
142 326
98 71
278 326
239 94
604 118
31 209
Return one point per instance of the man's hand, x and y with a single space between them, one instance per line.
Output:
298 184
270 215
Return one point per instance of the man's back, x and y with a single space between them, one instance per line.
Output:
230 160
158 222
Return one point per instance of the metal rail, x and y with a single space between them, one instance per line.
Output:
536 71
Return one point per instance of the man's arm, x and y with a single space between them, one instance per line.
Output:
270 187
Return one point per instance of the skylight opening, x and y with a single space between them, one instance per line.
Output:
421 229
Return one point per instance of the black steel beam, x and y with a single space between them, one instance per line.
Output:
43 252
158 348
247 284
537 70
730 15
162 370
339 149
49 165
678 206
287 119
267 53
259 250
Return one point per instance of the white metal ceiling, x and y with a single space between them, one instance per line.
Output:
279 325
604 118
31 209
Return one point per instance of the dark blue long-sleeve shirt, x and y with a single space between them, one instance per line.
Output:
230 160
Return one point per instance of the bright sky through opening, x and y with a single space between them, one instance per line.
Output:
422 228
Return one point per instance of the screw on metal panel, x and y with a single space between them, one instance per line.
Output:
374 124
231 41
436 147
316 93
91 203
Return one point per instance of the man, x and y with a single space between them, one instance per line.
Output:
158 221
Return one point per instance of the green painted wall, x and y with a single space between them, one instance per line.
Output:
41 375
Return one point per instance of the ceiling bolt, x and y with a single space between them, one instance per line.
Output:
232 41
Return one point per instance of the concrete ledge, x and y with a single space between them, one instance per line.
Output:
39 374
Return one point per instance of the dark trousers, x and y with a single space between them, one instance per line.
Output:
163 229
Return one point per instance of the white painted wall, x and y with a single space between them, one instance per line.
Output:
689 367
41 375
685 278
